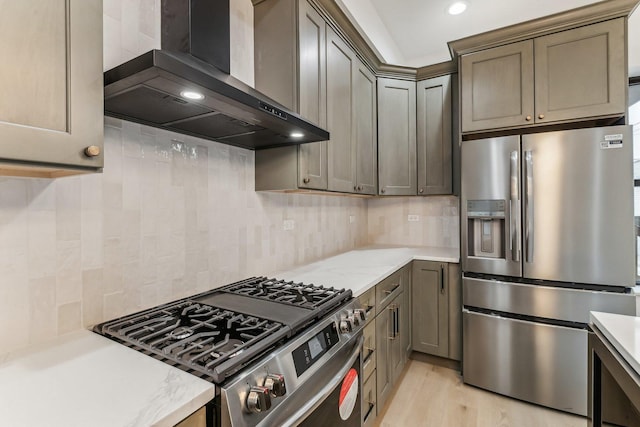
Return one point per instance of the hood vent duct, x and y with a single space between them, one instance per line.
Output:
185 87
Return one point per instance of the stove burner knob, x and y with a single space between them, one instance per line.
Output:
360 315
275 384
259 400
345 326
353 320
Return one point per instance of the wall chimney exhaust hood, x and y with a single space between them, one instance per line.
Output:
185 87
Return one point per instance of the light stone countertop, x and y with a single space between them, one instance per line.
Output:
623 332
83 379
361 269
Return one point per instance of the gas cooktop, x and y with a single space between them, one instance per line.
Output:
216 333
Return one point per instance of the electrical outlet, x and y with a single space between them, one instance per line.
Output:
413 218
288 224
352 219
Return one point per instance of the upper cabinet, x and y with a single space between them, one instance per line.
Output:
51 108
497 87
434 136
581 73
397 137
320 76
366 135
571 75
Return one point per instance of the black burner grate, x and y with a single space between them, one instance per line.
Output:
200 336
295 294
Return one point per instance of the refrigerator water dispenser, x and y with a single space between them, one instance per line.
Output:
486 228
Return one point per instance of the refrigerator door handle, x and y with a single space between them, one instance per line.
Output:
528 203
514 231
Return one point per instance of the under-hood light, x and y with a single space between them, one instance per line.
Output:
296 135
189 94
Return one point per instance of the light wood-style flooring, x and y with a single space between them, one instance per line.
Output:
434 396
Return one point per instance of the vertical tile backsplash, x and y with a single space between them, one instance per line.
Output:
169 217
438 221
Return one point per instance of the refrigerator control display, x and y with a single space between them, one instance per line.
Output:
485 208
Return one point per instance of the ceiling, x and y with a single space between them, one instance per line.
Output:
415 32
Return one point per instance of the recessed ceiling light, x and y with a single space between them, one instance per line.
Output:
296 134
189 94
457 8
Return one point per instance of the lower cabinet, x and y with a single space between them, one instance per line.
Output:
416 308
369 403
392 331
436 309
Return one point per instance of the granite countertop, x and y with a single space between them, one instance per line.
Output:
361 269
623 332
83 379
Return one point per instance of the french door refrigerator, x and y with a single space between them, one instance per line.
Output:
547 235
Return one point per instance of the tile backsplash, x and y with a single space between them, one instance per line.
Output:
434 221
170 216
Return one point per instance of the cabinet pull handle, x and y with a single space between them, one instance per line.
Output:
392 290
368 309
397 311
372 406
393 322
441 278
370 352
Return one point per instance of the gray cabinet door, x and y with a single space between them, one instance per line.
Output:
398 351
51 107
312 33
365 130
581 73
434 136
497 87
384 347
454 286
341 147
397 137
405 312
430 308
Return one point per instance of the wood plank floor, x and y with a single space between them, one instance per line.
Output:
434 396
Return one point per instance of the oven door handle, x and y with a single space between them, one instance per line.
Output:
321 396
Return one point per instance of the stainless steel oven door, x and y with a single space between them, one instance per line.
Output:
331 397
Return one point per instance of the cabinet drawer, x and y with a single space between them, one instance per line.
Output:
369 406
369 349
388 289
368 302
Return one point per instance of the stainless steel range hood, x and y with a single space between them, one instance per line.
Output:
156 88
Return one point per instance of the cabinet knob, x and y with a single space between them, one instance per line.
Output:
541 116
382 190
421 190
305 180
528 118
92 151
359 188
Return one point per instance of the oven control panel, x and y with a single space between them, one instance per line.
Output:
308 353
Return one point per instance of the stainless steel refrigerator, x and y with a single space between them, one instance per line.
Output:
547 236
